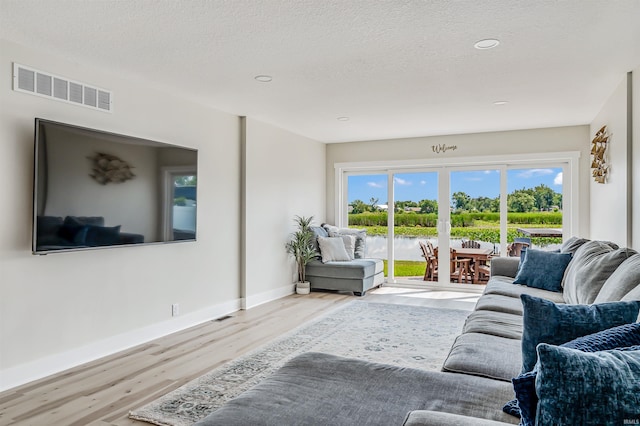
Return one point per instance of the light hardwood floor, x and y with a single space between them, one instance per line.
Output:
103 391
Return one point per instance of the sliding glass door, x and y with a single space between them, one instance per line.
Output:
425 221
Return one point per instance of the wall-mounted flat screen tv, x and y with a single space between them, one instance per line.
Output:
95 189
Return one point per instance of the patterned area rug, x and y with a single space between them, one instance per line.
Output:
410 336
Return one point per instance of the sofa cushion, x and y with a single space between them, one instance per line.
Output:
352 269
318 231
572 244
632 295
505 287
360 234
495 323
48 225
577 388
73 224
486 356
95 236
499 303
624 279
547 322
592 264
316 389
543 269
349 245
332 249
438 418
505 266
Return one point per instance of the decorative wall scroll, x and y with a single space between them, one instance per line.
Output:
599 166
109 168
440 148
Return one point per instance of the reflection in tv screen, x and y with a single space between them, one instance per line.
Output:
97 189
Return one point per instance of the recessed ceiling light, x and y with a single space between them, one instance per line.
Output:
501 102
343 118
263 78
488 43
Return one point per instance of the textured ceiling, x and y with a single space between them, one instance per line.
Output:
397 68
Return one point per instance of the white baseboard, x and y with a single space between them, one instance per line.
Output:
34 370
254 300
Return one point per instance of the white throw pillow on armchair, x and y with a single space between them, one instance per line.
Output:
332 249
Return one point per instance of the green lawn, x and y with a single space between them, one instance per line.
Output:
407 268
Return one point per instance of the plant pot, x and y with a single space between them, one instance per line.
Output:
303 287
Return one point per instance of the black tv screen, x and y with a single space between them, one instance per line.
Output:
95 189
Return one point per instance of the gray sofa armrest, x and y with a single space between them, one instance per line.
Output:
505 266
437 418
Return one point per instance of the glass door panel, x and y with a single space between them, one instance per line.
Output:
475 223
367 209
415 226
534 204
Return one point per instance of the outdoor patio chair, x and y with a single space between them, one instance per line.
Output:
431 259
459 269
470 244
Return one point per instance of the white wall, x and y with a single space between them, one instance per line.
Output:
61 309
285 177
558 139
609 203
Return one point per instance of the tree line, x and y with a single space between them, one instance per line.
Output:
540 198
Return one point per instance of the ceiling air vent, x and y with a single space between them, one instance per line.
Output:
44 84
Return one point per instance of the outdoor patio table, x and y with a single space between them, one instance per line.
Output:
541 232
476 255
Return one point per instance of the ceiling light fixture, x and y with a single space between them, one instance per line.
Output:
501 102
485 44
263 78
343 118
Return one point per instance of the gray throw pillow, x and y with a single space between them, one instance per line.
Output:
360 234
591 266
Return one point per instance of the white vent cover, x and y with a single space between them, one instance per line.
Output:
40 83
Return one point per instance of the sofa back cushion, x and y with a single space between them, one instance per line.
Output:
592 264
572 245
360 234
318 231
622 281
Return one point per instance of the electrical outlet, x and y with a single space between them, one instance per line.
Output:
175 310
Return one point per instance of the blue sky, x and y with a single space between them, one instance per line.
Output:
420 186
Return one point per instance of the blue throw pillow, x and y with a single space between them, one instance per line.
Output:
625 337
547 322
543 269
579 388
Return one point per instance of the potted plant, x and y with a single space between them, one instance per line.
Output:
301 247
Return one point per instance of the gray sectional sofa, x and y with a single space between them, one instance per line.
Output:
321 389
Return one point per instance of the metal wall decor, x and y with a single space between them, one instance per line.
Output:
599 166
109 168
